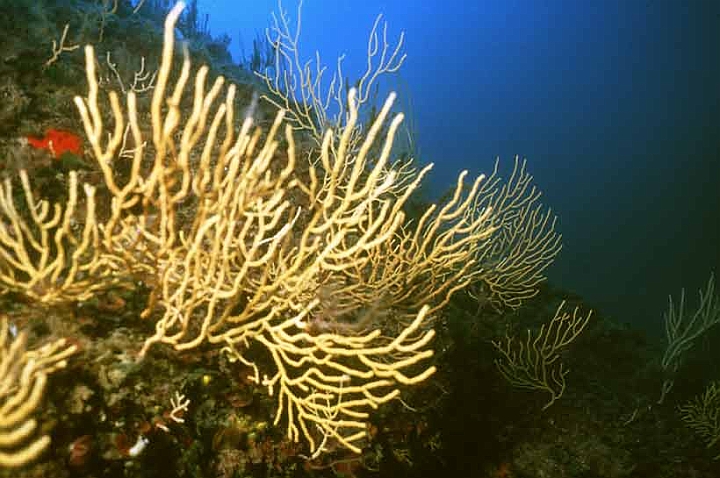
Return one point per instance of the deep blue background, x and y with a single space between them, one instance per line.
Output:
615 104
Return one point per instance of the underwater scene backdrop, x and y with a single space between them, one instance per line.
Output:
360 239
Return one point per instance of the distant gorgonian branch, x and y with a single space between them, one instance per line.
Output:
682 330
702 415
535 363
525 241
298 85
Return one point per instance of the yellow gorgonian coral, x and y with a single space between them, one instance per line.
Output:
23 377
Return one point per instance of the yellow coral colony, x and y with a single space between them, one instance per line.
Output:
316 262
43 256
240 243
23 376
